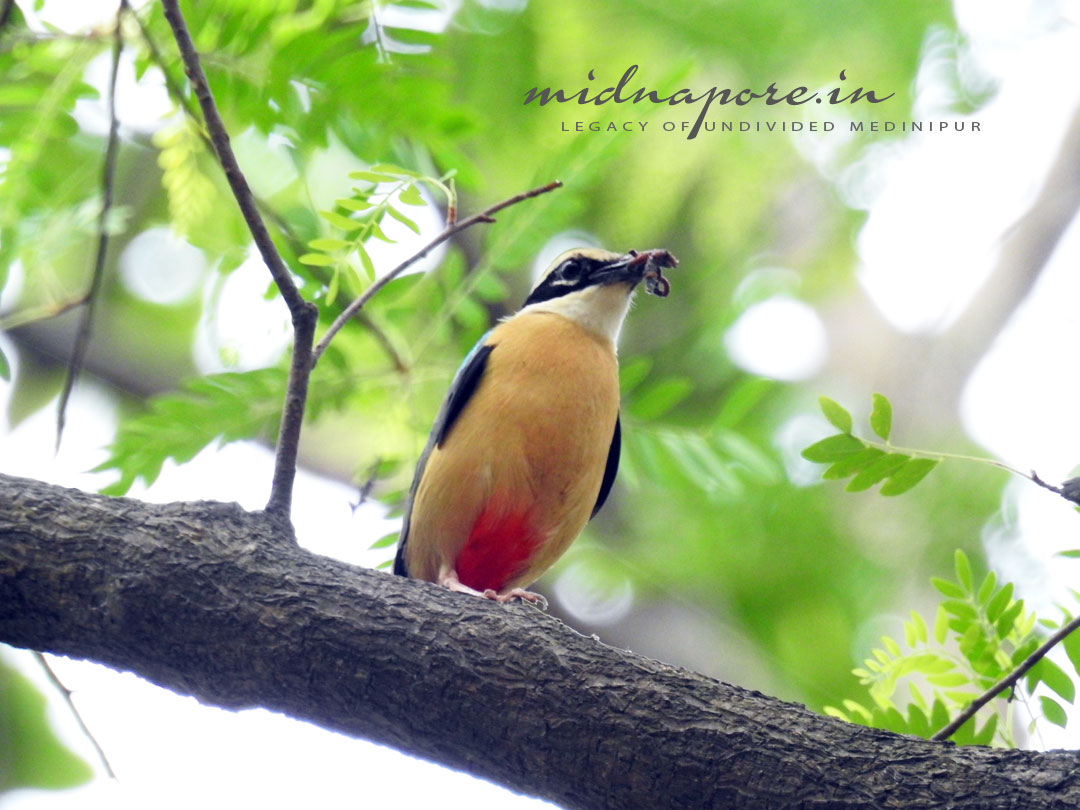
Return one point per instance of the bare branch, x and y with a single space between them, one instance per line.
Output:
451 229
66 693
1009 680
304 314
108 173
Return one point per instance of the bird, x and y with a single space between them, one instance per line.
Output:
525 448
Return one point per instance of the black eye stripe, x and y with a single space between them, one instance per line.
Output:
560 282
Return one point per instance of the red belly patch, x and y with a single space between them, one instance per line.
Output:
499 545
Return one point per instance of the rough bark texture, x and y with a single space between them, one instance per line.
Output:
212 601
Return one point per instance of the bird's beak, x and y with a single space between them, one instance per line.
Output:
634 265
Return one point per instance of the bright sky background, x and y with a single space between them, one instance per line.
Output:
923 254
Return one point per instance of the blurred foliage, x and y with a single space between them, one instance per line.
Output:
30 753
351 108
992 634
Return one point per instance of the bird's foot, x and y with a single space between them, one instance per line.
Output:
449 580
516 593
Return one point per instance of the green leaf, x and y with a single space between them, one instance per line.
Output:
891 645
353 204
962 610
881 416
633 372
1053 676
34 756
1021 653
836 414
941 625
832 711
852 464
332 287
960 697
340 221
987 588
985 735
391 168
180 424
939 715
1008 618
411 196
385 540
1052 711
880 469
1000 601
833 448
659 398
918 722
5 367
908 476
365 261
317 259
373 177
948 588
920 626
419 5
1072 649
328 244
1072 553
963 569
491 288
385 564
404 220
377 232
948 679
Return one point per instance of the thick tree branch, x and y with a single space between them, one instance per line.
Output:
304 314
208 600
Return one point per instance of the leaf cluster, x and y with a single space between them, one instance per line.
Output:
980 634
867 463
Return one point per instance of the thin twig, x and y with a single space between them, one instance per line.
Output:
451 230
108 173
174 89
42 313
55 681
380 46
1009 680
368 485
304 314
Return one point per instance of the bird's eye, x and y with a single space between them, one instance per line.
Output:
570 272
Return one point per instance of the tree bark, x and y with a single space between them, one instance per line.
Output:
208 600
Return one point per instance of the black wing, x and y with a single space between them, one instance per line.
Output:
610 470
461 391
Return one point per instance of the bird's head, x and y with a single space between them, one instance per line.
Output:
593 287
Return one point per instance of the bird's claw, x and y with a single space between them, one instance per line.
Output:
517 593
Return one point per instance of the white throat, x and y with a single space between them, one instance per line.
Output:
599 309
